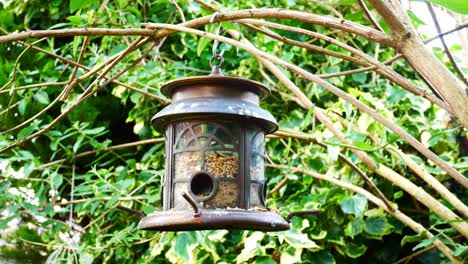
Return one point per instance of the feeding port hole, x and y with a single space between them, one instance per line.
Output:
202 186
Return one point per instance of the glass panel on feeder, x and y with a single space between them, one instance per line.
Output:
179 189
186 163
257 158
258 142
255 195
184 136
227 195
227 134
222 163
257 167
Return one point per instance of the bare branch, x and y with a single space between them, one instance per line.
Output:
380 67
446 49
431 180
302 16
369 15
408 42
34 85
455 29
71 32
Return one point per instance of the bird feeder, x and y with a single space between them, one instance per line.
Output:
215 156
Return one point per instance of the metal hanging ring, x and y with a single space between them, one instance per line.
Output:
218 57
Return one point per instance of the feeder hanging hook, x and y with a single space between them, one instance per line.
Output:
216 68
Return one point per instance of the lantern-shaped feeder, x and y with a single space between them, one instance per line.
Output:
215 156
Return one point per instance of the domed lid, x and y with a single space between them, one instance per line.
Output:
214 95
218 80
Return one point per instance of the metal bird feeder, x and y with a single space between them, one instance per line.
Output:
215 156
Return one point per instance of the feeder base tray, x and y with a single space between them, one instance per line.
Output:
184 220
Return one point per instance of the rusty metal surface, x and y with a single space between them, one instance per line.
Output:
209 108
216 80
214 90
184 220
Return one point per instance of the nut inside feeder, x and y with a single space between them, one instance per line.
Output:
215 156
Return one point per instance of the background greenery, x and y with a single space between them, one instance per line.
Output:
34 200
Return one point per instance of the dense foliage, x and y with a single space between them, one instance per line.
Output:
35 197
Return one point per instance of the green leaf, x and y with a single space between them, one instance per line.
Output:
22 106
354 250
425 243
322 257
458 6
333 152
179 49
250 247
184 244
202 43
299 240
460 250
76 43
415 19
377 226
25 132
354 205
354 227
56 179
94 131
291 255
4 186
359 77
364 146
413 238
397 195
77 144
79 4
264 260
42 97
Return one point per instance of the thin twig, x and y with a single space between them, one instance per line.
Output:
446 49
86 94
17 61
93 152
35 85
364 69
84 200
66 60
130 210
455 29
181 13
278 187
369 15
71 82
